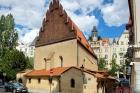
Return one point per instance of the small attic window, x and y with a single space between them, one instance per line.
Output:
62 13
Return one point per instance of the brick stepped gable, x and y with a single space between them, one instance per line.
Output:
58 27
55 26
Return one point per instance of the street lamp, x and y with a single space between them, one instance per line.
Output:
84 79
4 75
50 78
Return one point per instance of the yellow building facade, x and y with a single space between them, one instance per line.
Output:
70 80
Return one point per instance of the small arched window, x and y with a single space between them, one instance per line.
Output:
72 82
61 60
29 80
39 80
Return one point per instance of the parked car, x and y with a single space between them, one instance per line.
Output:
1 84
123 82
16 88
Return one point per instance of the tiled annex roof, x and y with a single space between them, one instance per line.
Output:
54 72
101 74
58 27
60 70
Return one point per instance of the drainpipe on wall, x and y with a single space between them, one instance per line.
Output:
77 55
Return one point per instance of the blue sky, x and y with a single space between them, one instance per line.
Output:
110 16
105 30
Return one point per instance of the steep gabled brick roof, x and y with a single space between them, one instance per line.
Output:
58 27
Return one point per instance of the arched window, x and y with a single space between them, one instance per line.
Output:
61 60
39 80
72 82
29 80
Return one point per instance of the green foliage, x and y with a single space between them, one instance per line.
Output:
8 35
101 64
11 60
114 68
29 62
16 60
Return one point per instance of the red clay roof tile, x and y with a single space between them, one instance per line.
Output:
52 72
80 36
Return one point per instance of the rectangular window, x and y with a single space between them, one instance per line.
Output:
122 43
121 62
106 56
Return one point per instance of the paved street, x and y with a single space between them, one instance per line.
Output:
3 91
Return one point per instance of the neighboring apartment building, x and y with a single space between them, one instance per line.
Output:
122 47
134 41
109 48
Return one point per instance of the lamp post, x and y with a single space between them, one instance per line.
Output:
4 75
82 68
50 79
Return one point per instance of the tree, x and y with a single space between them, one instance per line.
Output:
101 64
114 68
8 35
15 61
11 60
30 62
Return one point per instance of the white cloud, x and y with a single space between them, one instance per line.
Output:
27 13
116 14
84 22
30 13
85 6
29 36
